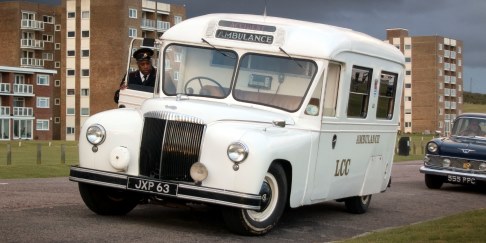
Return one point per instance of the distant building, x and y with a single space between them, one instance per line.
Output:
433 89
95 46
30 81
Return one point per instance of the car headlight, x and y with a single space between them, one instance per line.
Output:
95 134
432 147
446 163
237 152
482 166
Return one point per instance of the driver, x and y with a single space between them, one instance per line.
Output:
144 76
473 129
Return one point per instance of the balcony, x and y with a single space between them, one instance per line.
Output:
4 88
32 44
158 25
31 62
4 110
453 93
447 92
447 79
29 24
453 105
24 89
453 67
453 55
447 53
447 66
453 79
23 111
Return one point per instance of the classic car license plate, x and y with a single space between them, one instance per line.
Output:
152 186
461 179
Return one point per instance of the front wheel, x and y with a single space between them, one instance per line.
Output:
107 201
358 204
433 181
274 195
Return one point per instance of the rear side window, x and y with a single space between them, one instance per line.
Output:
386 98
359 92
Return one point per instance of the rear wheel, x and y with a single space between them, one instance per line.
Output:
274 196
107 201
358 204
433 181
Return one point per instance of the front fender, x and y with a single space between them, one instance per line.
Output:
123 129
266 144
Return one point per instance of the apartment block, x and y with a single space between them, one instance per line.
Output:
95 47
30 81
433 84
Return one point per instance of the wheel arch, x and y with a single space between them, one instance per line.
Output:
287 167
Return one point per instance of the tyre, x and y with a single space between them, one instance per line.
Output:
358 204
433 181
107 201
274 196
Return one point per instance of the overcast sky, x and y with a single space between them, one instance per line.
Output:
461 20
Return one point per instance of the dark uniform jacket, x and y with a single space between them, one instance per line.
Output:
135 82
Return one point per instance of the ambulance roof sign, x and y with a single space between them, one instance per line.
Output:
247 26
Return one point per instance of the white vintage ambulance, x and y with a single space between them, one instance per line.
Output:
254 114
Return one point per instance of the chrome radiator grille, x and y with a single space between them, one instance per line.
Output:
169 148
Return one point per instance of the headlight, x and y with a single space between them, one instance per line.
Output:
432 147
95 134
237 152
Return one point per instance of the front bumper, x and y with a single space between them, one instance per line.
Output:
444 172
184 191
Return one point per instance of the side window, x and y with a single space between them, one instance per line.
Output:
359 92
386 98
332 87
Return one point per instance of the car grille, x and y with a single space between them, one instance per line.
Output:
170 145
457 164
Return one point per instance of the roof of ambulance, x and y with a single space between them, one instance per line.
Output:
300 37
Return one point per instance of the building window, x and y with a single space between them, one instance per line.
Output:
177 19
85 111
57 82
57 64
359 92
178 57
71 34
42 79
459 62
47 56
42 102
85 53
70 91
84 72
408 72
85 14
48 19
70 111
47 38
71 15
71 53
57 46
57 120
70 130
57 101
132 13
407 59
441 98
440 59
42 125
176 75
132 32
459 49
459 75
57 27
70 72
84 92
408 86
408 47
440 46
85 33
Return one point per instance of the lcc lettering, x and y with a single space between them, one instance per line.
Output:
342 167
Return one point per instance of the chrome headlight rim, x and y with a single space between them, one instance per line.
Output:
237 152
432 147
96 134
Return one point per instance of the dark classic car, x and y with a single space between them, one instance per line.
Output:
459 158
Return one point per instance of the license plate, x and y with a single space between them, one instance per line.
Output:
461 179
152 186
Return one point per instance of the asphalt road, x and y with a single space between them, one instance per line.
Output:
51 210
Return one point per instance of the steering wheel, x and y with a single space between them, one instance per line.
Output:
199 78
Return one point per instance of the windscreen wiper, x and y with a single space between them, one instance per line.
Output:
218 50
291 58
